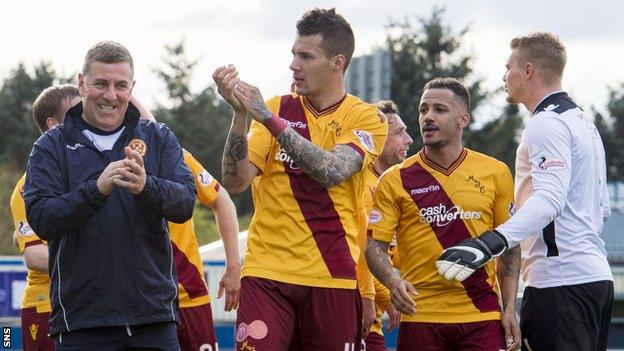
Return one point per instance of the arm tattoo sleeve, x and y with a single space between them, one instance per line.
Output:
378 260
235 150
511 262
329 168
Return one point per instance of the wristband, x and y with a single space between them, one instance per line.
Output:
275 125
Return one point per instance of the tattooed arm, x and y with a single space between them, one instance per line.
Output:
379 264
236 169
329 168
508 273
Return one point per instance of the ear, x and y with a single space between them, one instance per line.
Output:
464 120
338 62
81 87
529 70
51 123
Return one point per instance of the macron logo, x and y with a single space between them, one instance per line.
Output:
76 145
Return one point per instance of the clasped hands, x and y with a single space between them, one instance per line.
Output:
128 173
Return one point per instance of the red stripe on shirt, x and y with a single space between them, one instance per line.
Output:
316 205
477 287
188 275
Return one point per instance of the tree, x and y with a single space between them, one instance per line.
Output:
611 130
200 121
499 138
423 52
17 94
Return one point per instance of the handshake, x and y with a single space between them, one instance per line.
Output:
462 260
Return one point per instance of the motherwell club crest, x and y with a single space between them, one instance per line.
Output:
139 146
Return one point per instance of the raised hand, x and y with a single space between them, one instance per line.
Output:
226 78
133 176
105 182
251 98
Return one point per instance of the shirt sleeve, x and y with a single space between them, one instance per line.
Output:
384 217
367 135
548 143
207 186
25 235
503 202
259 139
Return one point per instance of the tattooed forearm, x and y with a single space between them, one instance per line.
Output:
511 262
235 150
329 168
378 260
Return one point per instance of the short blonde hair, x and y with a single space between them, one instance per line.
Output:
545 51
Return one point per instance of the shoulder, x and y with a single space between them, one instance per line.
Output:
485 160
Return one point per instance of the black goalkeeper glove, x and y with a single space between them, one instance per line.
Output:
461 260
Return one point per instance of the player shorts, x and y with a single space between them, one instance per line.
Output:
35 329
473 336
276 316
573 317
375 342
196 329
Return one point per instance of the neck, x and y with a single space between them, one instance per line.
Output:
328 95
538 94
444 156
380 166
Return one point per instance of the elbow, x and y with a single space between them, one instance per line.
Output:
234 186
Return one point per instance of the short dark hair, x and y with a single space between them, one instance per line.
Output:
334 29
545 51
49 103
453 85
107 52
387 106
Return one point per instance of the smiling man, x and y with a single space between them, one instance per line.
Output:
309 151
435 199
99 189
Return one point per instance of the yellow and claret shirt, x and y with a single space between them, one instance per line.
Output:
37 291
192 287
302 233
431 208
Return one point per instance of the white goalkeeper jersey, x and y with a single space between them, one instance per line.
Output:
561 197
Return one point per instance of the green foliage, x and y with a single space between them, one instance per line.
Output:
9 176
611 130
17 94
206 228
420 53
200 120
499 137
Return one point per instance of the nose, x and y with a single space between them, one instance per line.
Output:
409 139
294 65
110 94
505 77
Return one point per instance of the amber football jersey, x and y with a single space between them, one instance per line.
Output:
431 208
302 233
192 287
37 291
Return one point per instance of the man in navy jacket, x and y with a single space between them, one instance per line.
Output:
100 189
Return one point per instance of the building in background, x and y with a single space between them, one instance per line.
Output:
368 77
